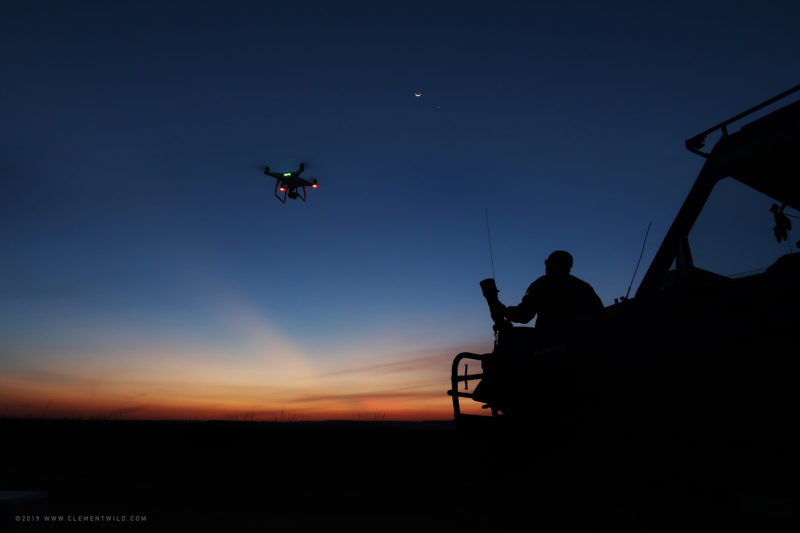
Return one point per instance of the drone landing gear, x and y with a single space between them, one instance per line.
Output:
291 192
279 187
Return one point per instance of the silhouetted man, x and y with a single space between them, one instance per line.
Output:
555 297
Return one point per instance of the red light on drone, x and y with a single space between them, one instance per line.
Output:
282 189
314 186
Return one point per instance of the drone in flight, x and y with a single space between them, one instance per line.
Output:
291 184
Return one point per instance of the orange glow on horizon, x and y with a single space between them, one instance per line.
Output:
262 376
410 390
84 408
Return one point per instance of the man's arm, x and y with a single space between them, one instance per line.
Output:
526 310
496 308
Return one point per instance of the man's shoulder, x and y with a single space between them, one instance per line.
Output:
568 282
586 290
578 281
539 282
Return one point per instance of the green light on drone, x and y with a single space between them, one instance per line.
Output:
287 174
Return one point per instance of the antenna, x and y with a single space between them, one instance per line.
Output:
639 261
489 235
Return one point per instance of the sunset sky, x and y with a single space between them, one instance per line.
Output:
147 270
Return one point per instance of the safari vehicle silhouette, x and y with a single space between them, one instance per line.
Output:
698 371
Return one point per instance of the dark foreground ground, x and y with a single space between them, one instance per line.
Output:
341 476
358 476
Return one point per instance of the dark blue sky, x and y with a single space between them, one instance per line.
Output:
133 210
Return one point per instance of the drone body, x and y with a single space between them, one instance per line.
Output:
291 184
